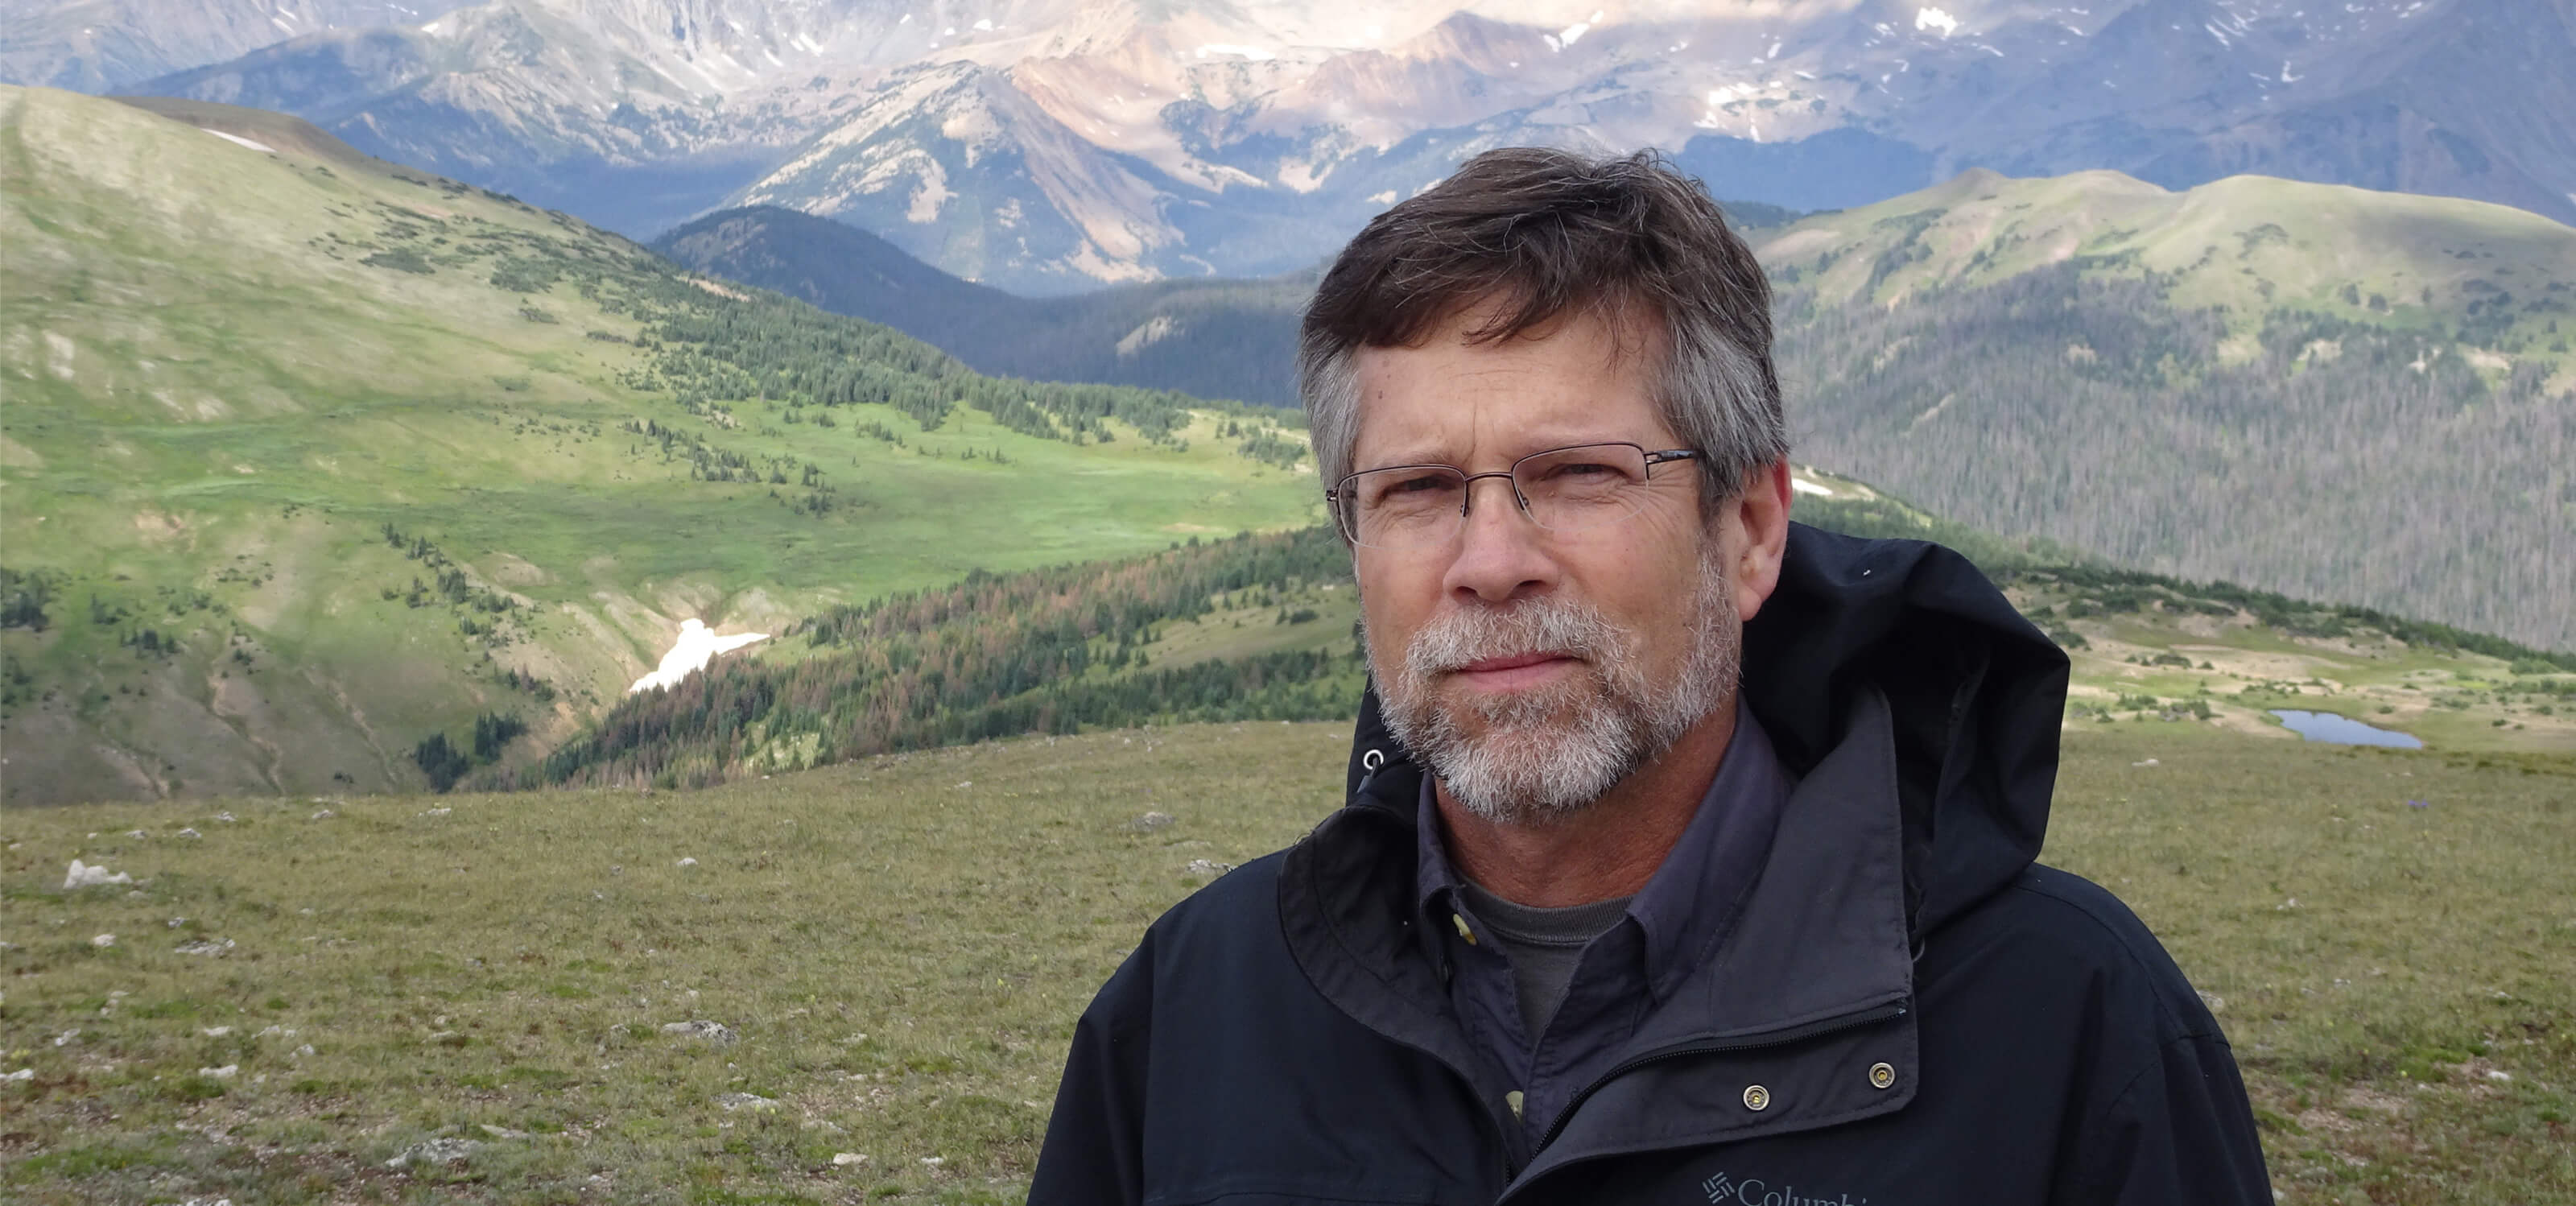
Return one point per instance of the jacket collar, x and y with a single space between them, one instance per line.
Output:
1821 940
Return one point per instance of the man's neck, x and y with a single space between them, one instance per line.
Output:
1606 849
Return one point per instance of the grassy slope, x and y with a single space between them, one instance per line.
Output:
213 405
2346 394
902 946
2248 244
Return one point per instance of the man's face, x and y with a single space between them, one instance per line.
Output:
1534 670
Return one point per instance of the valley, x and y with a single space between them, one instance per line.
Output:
321 456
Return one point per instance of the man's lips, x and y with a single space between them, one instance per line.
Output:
1519 669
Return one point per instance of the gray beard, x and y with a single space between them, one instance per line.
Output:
1545 755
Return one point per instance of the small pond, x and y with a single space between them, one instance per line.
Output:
2328 727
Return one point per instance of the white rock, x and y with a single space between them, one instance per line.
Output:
84 876
435 1151
934 1161
103 940
1152 821
440 811
190 832
745 1101
137 834
713 1032
216 1031
688 862
223 1073
225 817
21 1074
1207 867
839 1159
2499 1075
206 946
323 813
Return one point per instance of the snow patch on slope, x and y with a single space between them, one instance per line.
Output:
698 644
252 143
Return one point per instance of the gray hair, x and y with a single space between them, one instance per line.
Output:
1547 232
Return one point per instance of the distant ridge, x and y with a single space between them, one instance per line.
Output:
1210 336
1214 338
283 132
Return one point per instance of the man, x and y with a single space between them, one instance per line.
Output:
1688 853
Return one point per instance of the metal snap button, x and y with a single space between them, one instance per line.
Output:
1882 1076
1756 1097
1372 760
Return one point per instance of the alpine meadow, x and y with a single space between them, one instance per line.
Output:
496 710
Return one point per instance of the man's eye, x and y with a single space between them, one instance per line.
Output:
1425 484
1586 473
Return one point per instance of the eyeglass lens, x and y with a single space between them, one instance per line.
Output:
1564 490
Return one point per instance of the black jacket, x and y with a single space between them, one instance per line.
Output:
1908 1012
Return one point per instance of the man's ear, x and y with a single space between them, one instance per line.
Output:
1754 529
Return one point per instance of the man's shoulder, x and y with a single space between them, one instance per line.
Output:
2064 934
1234 915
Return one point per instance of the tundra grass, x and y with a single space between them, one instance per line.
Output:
899 949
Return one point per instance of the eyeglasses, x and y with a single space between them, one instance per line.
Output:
1413 507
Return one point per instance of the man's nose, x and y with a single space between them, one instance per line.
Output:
1500 552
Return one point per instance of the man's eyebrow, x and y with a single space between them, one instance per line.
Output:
1432 454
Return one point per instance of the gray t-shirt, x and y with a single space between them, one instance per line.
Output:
1543 945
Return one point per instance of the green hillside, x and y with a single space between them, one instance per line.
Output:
1263 627
2323 391
307 457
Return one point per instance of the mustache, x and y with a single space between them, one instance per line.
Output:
1560 626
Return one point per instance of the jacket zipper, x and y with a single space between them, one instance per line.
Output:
1777 1038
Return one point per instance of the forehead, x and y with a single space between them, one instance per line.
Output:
1577 380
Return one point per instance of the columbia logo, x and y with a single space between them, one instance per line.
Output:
1754 1191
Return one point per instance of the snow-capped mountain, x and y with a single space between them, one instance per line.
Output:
1048 145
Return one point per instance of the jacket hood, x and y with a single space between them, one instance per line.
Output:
1975 692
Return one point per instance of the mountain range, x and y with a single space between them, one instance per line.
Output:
1056 145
